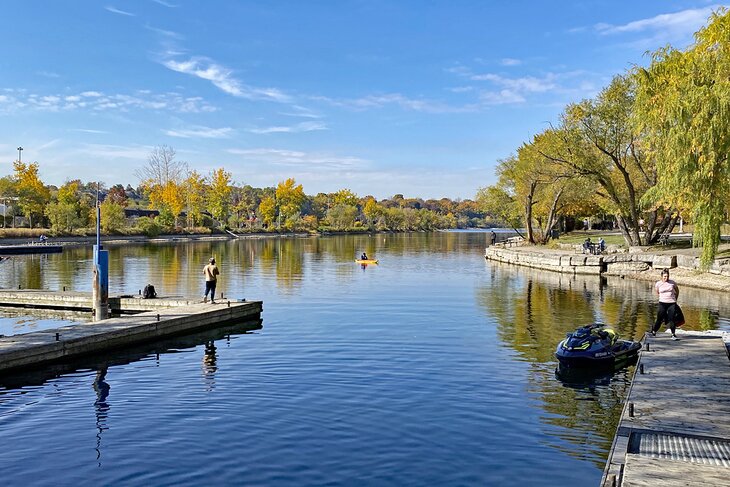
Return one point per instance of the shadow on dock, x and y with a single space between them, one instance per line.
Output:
40 374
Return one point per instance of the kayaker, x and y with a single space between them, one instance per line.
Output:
364 256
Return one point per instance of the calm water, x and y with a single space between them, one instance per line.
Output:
432 368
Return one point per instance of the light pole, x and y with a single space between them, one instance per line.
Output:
20 149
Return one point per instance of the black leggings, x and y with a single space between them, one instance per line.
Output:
665 314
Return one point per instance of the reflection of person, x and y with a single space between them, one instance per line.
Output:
211 274
210 360
668 291
493 236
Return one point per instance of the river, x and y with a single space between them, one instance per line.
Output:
434 367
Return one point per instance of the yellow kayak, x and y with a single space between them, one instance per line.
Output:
366 261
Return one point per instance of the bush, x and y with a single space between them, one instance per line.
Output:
149 227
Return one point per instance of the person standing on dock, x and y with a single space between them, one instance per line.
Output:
211 274
668 292
493 237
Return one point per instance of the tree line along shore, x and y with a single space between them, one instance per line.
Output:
173 199
648 153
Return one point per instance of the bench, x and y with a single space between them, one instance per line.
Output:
509 242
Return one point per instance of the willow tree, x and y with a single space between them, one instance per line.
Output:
684 103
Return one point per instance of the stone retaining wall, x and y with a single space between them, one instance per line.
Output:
611 264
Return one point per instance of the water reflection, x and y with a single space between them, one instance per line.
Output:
210 361
101 363
533 311
101 407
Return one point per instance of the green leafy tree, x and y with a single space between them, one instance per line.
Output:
684 108
342 216
194 194
290 198
344 197
219 196
267 210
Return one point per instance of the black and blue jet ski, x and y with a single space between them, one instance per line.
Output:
595 346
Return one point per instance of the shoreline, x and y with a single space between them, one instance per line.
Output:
637 265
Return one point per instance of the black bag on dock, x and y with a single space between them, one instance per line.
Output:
149 292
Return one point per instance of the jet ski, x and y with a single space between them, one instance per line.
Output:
595 346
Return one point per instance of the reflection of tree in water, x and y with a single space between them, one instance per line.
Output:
101 407
210 361
533 311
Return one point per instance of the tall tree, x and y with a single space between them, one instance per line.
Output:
599 140
290 198
194 190
32 193
162 179
219 197
684 103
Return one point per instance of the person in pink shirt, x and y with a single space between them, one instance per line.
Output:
668 291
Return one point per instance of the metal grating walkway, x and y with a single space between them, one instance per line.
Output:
688 449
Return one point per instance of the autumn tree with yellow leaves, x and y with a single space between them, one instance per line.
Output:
32 193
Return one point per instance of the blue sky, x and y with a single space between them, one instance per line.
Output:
381 97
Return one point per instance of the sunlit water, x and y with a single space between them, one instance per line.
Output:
433 368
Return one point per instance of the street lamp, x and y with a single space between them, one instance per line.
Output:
20 149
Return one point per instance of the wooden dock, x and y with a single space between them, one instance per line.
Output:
168 318
675 425
31 248
81 301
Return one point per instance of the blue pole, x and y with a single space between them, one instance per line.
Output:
101 272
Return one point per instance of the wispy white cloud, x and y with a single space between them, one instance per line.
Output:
223 78
90 131
166 33
165 4
501 97
508 90
48 74
686 21
94 100
300 111
510 62
48 144
285 157
117 11
199 132
381 100
526 84
300 127
461 89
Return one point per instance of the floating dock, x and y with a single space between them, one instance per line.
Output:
167 317
37 248
675 425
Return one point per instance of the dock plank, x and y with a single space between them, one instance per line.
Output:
32 349
683 394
